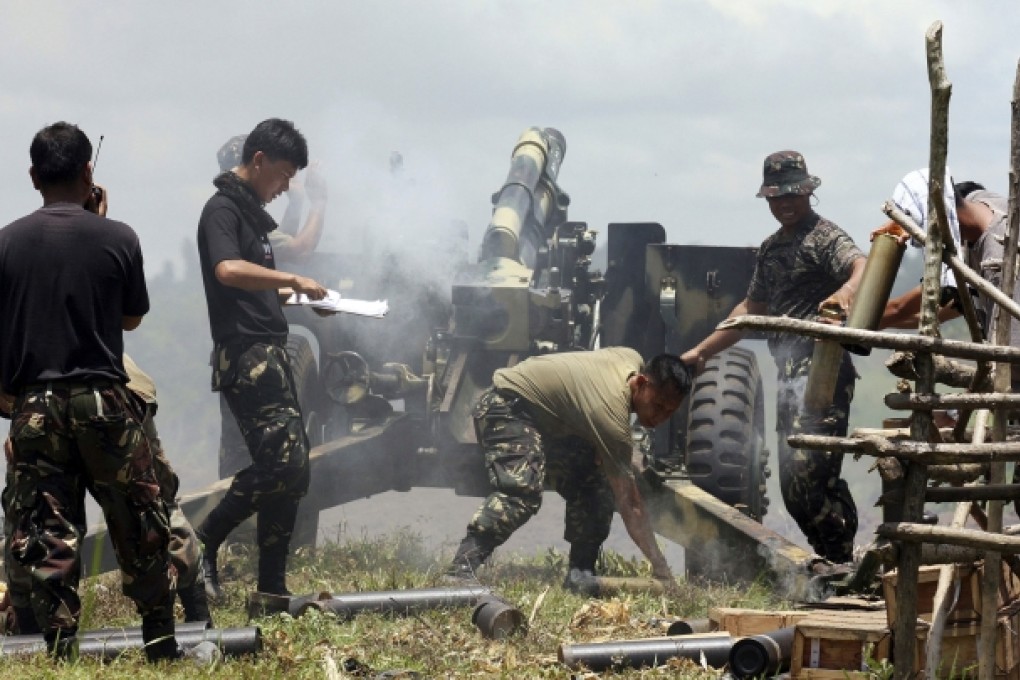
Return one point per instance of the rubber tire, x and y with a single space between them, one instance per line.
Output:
726 453
306 382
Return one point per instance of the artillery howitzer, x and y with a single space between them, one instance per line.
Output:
388 402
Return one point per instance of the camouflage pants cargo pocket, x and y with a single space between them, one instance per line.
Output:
514 458
570 464
514 463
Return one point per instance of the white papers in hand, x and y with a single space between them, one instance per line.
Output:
333 302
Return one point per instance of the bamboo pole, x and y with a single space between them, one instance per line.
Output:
947 372
919 343
925 453
991 577
960 494
932 402
915 533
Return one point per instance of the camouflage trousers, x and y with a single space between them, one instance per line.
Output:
233 449
817 498
518 459
257 383
68 438
185 550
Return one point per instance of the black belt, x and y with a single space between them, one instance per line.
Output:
89 384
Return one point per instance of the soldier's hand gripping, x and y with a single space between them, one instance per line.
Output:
97 200
310 287
694 360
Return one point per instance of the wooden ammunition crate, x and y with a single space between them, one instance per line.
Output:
960 649
835 645
967 588
748 622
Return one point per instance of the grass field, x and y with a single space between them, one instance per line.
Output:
434 644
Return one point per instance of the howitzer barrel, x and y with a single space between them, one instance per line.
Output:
398 601
600 656
537 155
762 655
231 642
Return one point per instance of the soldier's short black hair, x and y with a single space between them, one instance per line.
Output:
279 140
59 153
965 188
667 371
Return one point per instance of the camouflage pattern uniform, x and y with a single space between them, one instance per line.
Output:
185 550
68 436
563 416
257 383
794 273
817 498
518 459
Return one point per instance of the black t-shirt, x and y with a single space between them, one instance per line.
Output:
67 280
236 314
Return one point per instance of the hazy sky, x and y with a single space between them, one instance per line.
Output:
668 108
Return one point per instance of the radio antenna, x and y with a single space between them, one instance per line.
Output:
95 159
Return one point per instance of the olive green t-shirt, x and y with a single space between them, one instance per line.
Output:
582 394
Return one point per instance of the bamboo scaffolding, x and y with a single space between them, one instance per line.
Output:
914 532
931 402
947 372
957 494
920 343
912 451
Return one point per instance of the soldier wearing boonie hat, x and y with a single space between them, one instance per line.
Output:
807 263
786 173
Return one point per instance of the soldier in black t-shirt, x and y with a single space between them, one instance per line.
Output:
291 246
70 283
251 368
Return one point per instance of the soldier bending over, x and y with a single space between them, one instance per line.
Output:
567 416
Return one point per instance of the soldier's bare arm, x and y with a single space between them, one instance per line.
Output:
844 296
717 341
631 506
248 276
303 244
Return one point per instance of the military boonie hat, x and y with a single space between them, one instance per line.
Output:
786 173
229 155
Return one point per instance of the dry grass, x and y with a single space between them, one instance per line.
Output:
435 644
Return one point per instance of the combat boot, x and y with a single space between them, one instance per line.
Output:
213 592
62 643
223 519
580 577
25 622
471 555
195 602
273 571
158 633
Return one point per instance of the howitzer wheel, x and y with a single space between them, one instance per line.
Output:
304 367
726 453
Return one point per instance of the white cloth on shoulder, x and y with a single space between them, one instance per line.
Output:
911 196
